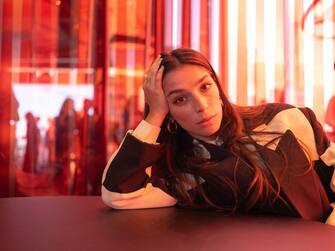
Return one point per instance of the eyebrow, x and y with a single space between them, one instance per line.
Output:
181 90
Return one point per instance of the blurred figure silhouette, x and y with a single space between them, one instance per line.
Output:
91 135
87 137
30 180
50 141
32 146
67 147
8 118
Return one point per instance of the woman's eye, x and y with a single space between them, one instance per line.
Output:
205 87
179 100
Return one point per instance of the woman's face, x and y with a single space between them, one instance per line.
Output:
194 100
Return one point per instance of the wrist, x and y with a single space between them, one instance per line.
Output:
155 119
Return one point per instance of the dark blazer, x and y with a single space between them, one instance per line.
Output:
304 191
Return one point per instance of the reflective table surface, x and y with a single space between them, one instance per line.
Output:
85 223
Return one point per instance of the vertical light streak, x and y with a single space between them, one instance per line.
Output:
130 66
15 62
55 78
176 23
16 41
308 55
269 48
168 24
130 79
328 56
130 49
232 49
291 96
251 50
215 34
1 17
73 76
90 40
195 24
289 10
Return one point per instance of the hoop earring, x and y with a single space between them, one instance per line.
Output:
172 127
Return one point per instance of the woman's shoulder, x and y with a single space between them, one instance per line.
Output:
283 118
253 116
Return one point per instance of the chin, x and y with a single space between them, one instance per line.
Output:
211 133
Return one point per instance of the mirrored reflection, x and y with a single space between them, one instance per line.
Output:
54 135
51 127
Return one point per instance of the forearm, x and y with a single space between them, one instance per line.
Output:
125 171
126 179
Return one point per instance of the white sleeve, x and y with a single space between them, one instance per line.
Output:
146 132
147 197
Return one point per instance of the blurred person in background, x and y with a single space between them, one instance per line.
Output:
8 118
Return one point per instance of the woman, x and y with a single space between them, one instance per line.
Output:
197 150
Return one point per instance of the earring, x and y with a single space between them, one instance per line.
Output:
172 127
221 101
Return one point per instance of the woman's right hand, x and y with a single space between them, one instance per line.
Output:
154 95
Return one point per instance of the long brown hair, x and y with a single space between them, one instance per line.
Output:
182 160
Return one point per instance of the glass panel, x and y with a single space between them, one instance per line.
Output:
48 76
127 33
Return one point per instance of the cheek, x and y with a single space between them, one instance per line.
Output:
181 114
215 102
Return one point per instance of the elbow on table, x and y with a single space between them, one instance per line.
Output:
117 200
111 200
147 197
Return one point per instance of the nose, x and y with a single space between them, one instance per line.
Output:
200 103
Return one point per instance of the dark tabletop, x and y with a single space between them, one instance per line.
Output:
85 223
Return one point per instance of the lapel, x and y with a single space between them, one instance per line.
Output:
299 182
